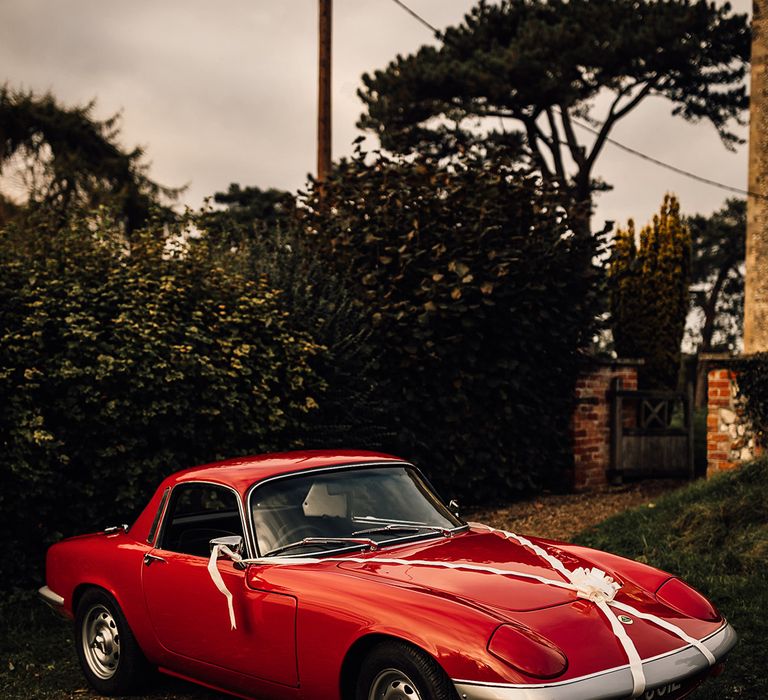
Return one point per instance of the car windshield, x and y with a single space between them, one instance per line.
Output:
362 503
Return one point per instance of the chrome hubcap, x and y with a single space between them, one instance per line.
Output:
392 684
101 642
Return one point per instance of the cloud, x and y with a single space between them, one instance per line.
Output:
226 92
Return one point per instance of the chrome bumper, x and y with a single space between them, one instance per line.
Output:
53 600
661 672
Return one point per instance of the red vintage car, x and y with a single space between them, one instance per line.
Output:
341 575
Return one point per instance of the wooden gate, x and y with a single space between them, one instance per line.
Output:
651 433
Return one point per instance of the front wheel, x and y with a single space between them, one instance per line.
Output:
397 671
109 655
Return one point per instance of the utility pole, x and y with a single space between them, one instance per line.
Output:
324 92
756 278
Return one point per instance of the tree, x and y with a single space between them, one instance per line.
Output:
544 65
248 209
649 294
68 160
480 299
717 282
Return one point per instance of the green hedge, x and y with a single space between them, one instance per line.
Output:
480 298
122 363
433 311
354 411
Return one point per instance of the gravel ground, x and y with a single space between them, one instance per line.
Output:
562 517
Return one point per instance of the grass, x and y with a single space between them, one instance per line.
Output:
38 660
714 534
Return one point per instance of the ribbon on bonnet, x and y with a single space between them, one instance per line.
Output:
592 584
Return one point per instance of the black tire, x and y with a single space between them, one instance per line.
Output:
111 659
394 669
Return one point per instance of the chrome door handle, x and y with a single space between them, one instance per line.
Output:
149 558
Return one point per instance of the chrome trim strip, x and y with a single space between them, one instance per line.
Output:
340 467
157 522
614 683
50 598
243 521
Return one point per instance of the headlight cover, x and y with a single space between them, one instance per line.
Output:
527 652
681 597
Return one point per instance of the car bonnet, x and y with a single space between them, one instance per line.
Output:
432 559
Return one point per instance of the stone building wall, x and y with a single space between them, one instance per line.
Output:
730 440
756 259
590 424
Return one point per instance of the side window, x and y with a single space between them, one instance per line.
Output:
198 513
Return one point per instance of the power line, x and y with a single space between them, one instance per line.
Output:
669 166
614 142
418 17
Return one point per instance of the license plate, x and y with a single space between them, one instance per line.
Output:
674 691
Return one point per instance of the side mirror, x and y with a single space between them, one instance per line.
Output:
233 542
114 529
453 506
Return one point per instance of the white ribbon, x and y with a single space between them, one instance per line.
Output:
590 584
706 653
213 570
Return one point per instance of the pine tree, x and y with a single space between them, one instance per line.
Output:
649 294
522 73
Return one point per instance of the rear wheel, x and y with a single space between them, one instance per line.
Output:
109 655
397 671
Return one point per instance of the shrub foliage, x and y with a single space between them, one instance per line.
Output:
354 411
118 366
752 374
434 311
480 297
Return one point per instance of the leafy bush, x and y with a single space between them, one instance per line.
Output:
119 365
752 374
480 298
354 411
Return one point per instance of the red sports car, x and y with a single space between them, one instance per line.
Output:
341 575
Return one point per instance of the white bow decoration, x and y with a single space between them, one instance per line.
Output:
594 584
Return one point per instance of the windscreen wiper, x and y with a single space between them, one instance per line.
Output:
397 527
317 541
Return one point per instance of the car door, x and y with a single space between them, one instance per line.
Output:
188 612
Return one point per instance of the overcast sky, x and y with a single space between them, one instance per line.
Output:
221 92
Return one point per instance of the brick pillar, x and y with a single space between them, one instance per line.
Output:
730 439
590 424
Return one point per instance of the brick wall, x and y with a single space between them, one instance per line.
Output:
591 421
730 440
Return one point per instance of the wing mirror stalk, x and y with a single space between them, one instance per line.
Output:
114 529
231 544
234 543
